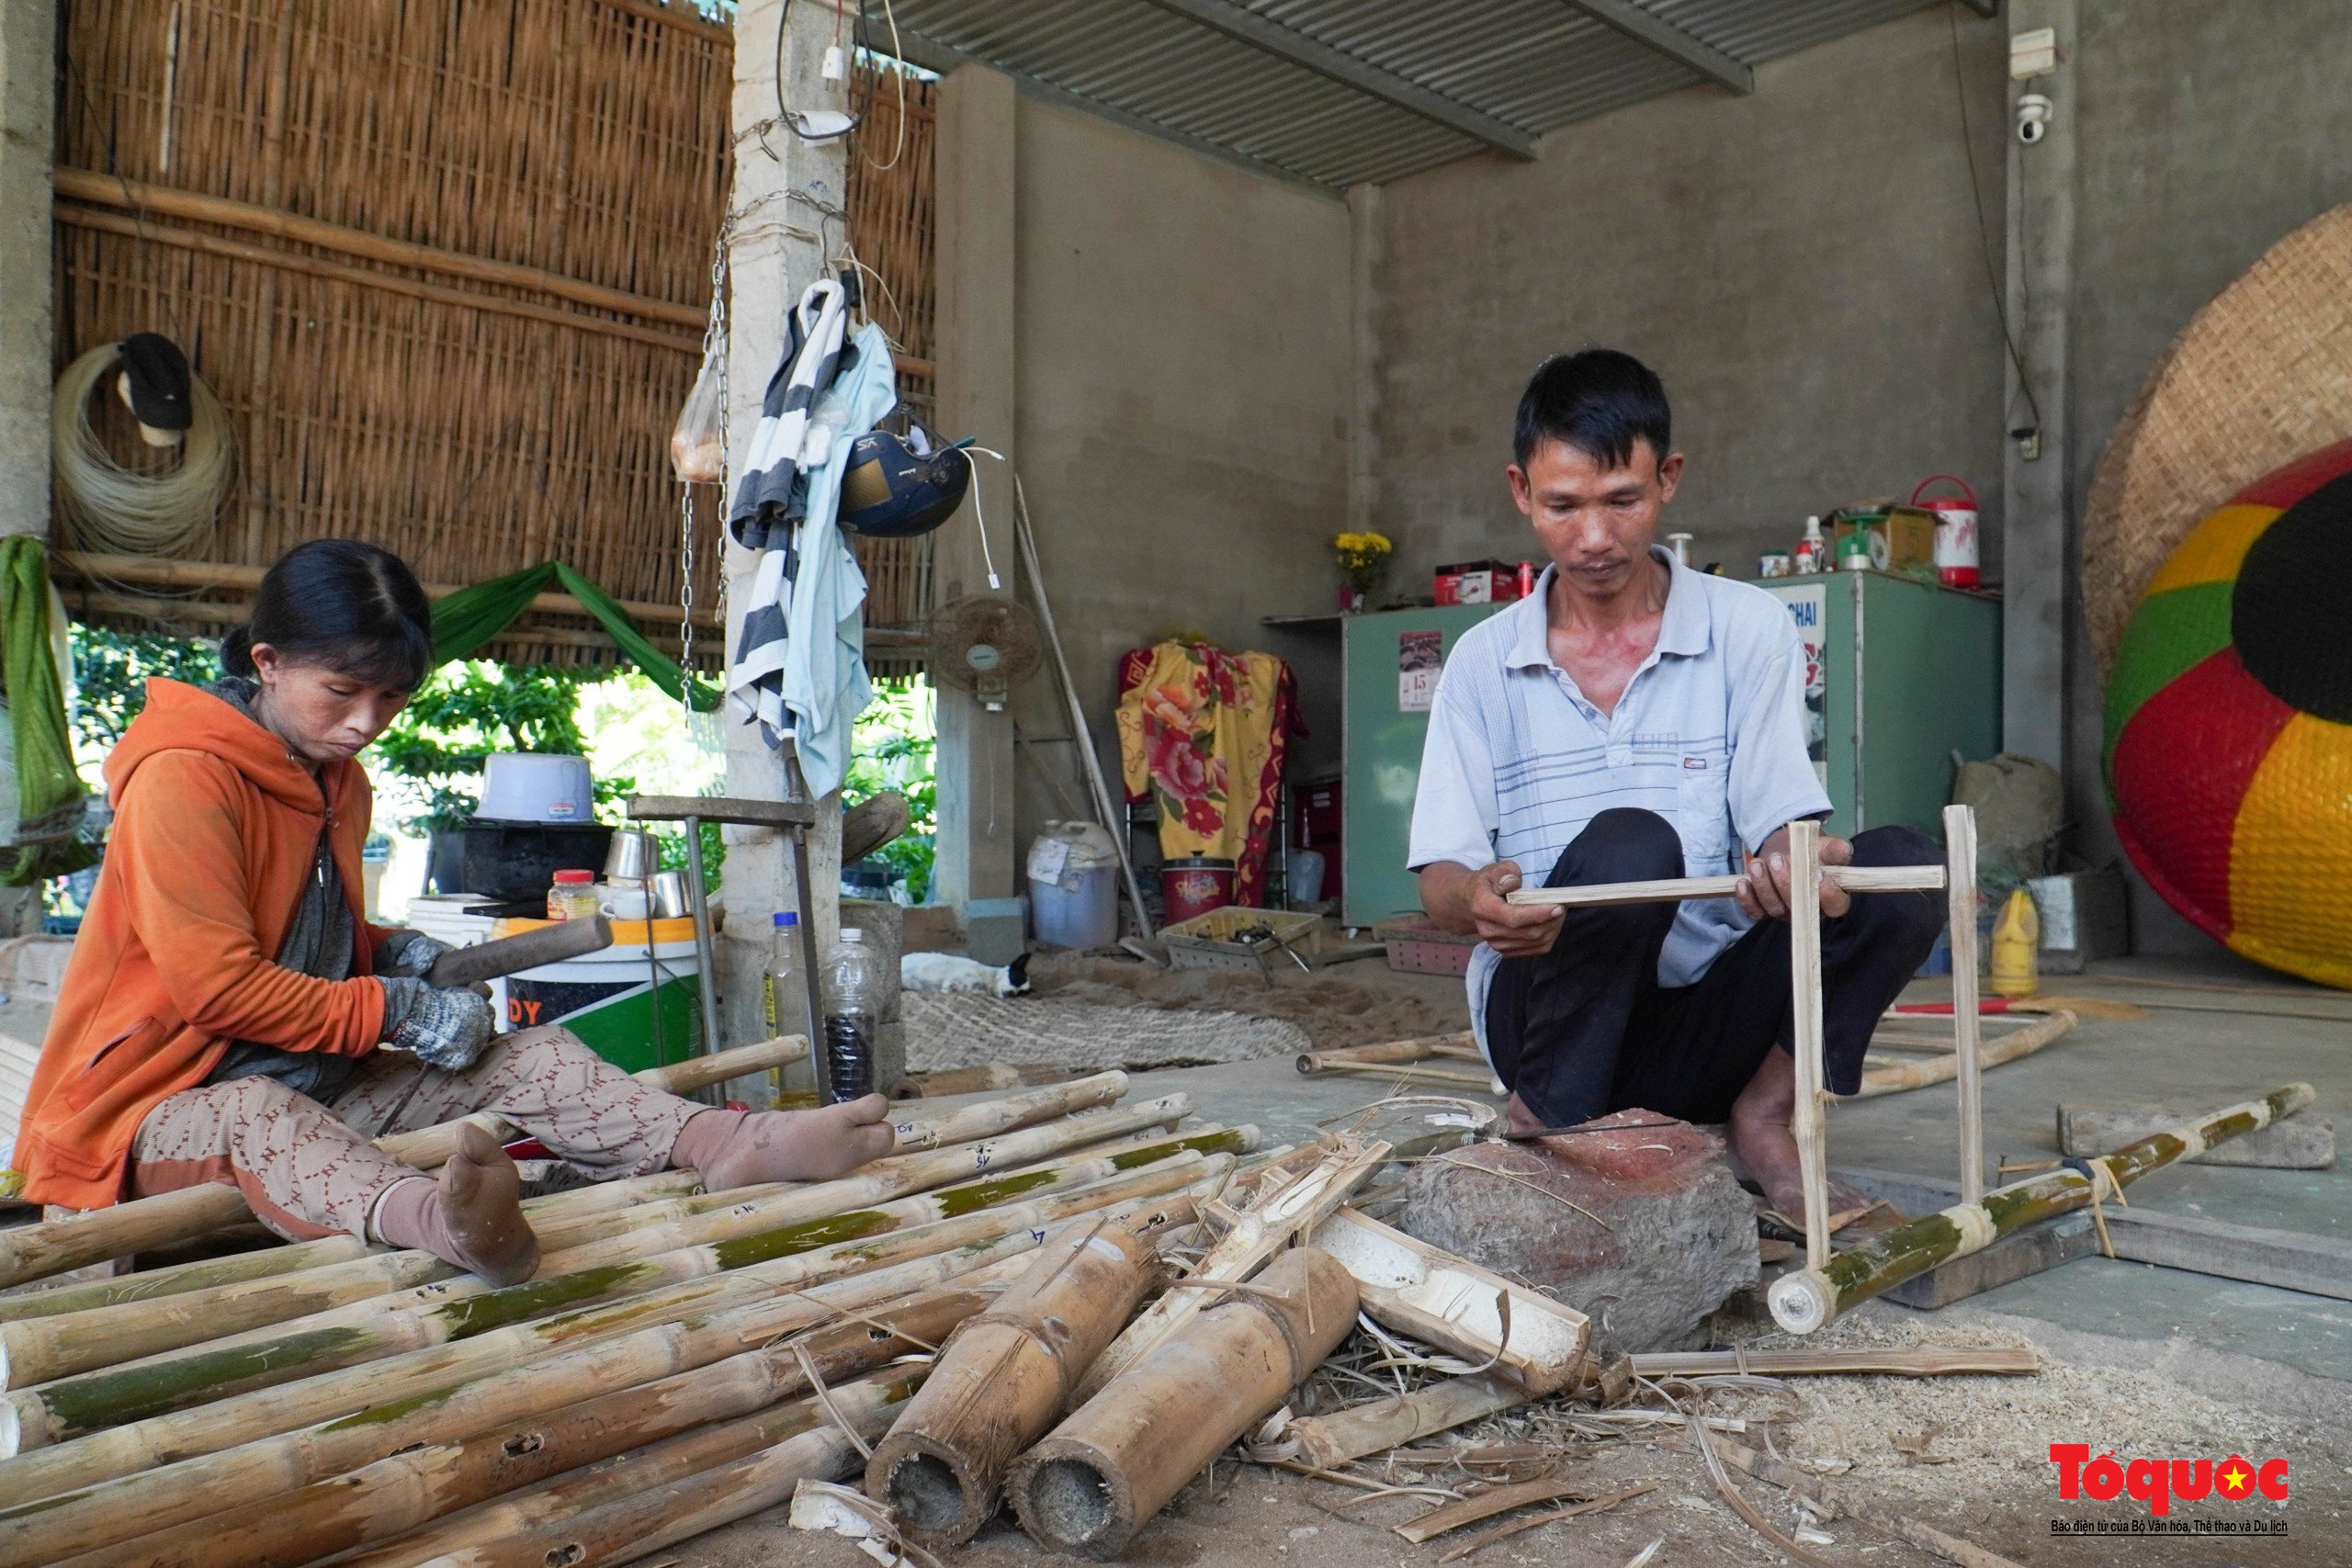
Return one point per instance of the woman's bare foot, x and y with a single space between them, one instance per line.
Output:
739 1148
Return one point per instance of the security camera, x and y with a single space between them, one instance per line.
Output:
2033 118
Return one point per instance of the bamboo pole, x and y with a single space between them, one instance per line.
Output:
1005 1380
1967 1034
118 1451
260 1319
268 1262
1805 1300
1804 997
242 1478
630 1507
1925 1070
1852 878
1477 1082
1461 1043
991 1117
370 1329
1107 1469
407 1490
1258 1233
32 1252
1330 1441
1934 1362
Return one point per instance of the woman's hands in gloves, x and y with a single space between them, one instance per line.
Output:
410 954
442 1028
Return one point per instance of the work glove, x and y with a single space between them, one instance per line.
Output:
442 1028
408 954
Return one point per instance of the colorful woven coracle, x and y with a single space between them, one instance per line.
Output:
2229 722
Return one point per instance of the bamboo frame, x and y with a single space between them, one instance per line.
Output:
1956 878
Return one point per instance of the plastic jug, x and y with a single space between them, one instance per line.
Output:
853 1003
2016 943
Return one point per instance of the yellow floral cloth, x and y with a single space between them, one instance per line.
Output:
1203 734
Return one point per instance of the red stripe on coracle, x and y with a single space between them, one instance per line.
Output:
2284 487
2182 766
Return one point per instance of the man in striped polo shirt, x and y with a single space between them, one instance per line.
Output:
1633 719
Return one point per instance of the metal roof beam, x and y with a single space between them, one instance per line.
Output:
1644 28
1285 43
934 56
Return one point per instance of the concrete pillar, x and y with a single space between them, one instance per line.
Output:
28 66
1366 239
974 339
783 186
2038 568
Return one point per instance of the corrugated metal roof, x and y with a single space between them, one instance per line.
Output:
1532 64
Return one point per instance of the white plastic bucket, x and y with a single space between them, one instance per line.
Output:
1074 885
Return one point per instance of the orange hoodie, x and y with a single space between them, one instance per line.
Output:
215 830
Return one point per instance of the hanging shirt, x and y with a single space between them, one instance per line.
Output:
1709 734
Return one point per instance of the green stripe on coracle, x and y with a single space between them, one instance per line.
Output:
2170 633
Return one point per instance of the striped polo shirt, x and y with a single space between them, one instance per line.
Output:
1709 734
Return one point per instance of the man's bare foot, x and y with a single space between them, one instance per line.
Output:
740 1148
1520 1122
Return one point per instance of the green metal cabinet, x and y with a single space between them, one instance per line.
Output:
1381 735
1903 675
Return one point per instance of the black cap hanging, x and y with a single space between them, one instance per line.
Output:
155 384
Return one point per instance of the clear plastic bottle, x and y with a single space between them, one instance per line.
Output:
785 988
853 1002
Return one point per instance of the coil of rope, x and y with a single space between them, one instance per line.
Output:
106 505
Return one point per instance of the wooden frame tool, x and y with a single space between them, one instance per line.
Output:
1956 878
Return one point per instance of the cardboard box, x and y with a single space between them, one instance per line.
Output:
1477 582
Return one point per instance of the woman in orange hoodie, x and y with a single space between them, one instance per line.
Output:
229 1015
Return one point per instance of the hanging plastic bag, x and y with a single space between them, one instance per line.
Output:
698 446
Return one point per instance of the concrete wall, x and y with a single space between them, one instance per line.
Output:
2207 132
1184 375
1802 266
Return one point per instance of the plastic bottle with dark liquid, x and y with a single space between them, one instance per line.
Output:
853 1002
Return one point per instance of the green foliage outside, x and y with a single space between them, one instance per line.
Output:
110 672
894 746
470 708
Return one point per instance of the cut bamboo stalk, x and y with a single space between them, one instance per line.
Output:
33 1252
1326 1442
950 1081
1103 1473
118 1451
1805 983
1462 1043
262 1316
1257 1236
1804 1301
1960 886
407 1490
628 1507
1477 1082
269 1262
1442 1300
991 1117
1894 1077
378 1326
1852 878
1488 1503
1989 1361
242 1477
1005 1380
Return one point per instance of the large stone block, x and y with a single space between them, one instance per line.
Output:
1633 1220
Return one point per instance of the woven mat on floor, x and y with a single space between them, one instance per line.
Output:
964 1030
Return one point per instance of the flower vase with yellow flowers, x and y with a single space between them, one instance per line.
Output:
1363 559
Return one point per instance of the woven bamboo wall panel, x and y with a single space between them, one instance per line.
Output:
587 138
890 228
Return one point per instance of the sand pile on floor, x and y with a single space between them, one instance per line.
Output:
1361 1003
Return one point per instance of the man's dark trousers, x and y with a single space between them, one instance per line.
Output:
1586 1029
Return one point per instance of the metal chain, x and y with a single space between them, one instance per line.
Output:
713 341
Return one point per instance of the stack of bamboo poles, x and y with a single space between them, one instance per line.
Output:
673 1364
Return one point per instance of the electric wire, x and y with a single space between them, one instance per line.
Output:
1983 232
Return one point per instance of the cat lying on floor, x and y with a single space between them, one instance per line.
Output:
953 972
